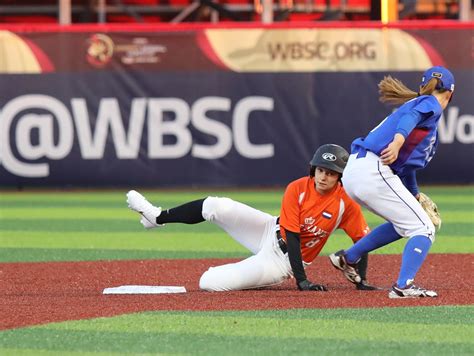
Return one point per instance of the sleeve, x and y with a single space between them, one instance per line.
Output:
290 209
409 181
408 122
428 105
294 255
353 221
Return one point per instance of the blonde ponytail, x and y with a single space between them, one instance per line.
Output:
393 91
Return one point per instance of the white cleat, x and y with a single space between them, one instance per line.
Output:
148 225
149 212
338 260
411 291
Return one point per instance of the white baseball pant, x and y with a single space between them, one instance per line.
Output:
256 231
376 187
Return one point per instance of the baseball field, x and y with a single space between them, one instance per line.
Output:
60 249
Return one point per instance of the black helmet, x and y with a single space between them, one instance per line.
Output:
330 156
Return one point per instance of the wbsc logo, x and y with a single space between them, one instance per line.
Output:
39 127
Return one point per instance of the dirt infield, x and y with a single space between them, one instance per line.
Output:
39 293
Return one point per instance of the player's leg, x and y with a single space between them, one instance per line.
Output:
384 194
187 213
147 211
382 235
398 206
375 186
414 254
347 260
152 216
360 172
246 225
268 267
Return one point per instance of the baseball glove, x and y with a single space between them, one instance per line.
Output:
431 209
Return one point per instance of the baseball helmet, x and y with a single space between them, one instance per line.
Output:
330 156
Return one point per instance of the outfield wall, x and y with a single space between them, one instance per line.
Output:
203 106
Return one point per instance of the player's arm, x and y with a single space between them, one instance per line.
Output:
405 126
296 262
390 153
289 228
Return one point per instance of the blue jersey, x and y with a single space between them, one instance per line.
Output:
417 121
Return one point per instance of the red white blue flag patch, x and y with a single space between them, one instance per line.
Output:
327 215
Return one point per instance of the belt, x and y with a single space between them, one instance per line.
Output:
281 242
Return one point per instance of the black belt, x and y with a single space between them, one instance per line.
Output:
281 242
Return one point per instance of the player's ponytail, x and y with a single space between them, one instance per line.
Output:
393 91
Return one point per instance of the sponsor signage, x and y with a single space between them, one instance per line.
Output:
311 50
125 108
57 129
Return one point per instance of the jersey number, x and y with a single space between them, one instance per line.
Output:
312 242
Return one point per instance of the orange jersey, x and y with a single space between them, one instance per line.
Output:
314 216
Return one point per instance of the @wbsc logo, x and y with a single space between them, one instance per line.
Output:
36 129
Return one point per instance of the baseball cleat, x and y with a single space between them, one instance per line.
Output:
148 225
148 212
411 291
349 270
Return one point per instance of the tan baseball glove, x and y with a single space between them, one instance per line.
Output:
431 209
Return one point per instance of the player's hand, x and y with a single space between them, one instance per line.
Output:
307 285
363 285
390 153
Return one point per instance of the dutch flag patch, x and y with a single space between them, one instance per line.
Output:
327 215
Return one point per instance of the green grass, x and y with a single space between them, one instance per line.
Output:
416 331
76 226
62 226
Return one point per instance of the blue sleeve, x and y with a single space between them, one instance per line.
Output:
408 122
428 105
409 181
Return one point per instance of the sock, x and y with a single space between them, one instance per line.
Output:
413 256
189 213
382 235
